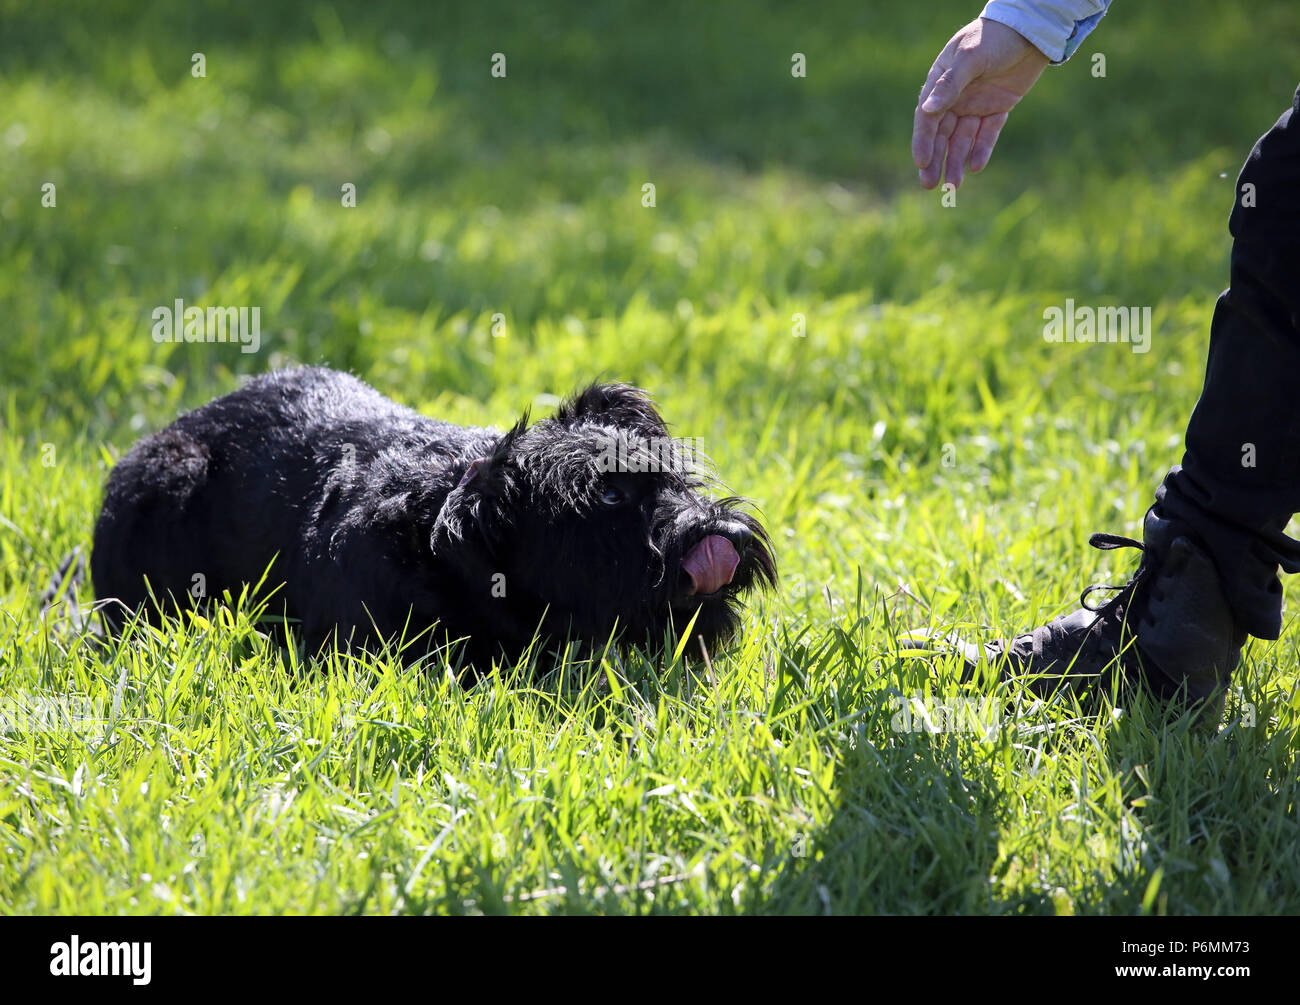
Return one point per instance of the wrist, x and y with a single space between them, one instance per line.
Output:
1036 34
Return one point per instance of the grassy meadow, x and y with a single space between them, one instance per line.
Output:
862 361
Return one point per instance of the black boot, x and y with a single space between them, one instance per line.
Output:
1169 626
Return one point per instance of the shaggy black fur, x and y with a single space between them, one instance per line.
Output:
381 522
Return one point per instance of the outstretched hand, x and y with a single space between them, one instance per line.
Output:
981 74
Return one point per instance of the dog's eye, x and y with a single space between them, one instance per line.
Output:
613 497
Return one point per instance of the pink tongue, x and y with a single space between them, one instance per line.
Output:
711 564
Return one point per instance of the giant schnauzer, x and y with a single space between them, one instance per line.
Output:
378 524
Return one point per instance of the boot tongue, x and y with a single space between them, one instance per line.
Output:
710 564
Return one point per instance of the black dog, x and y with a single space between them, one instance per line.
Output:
377 522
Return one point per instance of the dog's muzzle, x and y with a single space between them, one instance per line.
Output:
711 564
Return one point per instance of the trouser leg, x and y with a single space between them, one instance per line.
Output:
1239 482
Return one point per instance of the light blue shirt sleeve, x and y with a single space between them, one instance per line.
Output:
1056 27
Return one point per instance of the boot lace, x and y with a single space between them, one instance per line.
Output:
1109 542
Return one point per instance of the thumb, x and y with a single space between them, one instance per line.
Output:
947 89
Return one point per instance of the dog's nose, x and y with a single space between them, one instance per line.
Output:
737 533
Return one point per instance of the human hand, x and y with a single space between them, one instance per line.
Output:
981 74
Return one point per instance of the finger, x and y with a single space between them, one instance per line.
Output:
941 63
936 71
932 172
959 145
982 150
924 128
923 125
947 89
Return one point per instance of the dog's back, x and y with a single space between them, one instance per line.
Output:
206 504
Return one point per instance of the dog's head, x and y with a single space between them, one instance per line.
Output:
600 518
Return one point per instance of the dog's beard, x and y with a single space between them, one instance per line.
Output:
659 605
717 614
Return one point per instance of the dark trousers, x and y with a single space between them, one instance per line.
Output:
1239 482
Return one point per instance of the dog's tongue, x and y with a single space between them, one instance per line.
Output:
711 564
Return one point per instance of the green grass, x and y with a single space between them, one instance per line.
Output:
921 435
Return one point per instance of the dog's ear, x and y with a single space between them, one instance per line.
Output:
617 404
469 517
